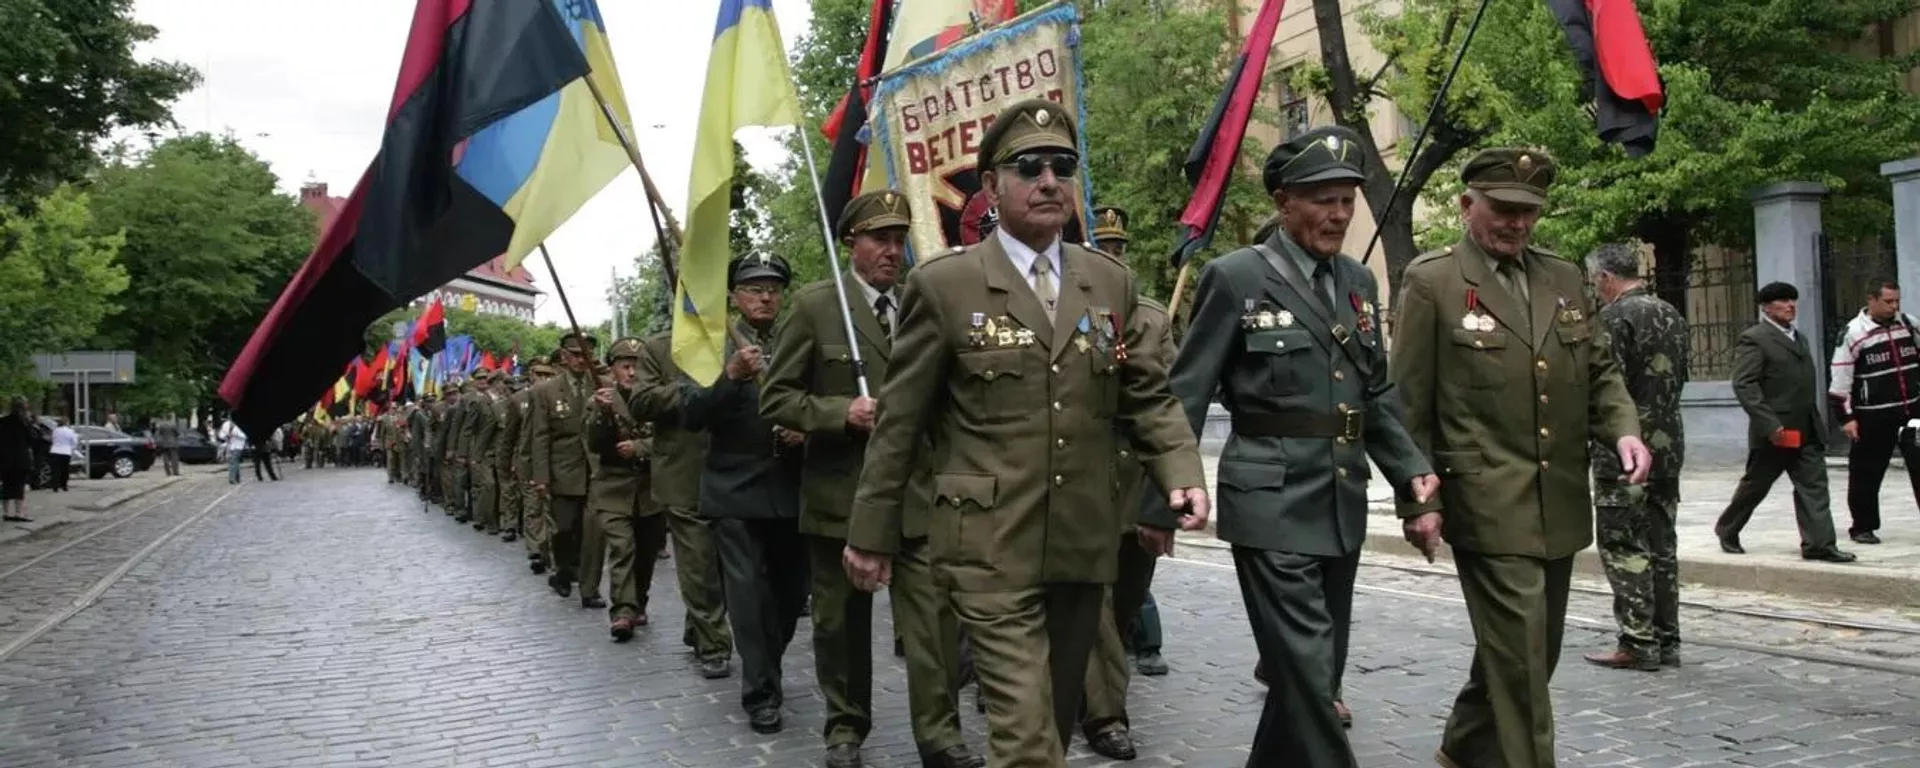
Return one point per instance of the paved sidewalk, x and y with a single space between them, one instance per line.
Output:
87 499
1887 573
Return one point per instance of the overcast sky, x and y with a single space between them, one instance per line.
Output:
306 86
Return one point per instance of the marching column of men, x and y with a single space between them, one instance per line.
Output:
1026 448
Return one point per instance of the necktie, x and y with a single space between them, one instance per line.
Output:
1323 281
1516 284
1043 284
880 306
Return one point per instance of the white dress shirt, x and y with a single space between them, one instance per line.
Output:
1023 257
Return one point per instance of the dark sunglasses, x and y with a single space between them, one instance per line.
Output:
1029 166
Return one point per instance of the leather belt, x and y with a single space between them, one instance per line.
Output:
1303 424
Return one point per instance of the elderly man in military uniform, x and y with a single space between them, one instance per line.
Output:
536 514
678 455
1104 720
1636 524
557 440
750 488
593 538
420 429
1506 377
480 430
629 518
506 441
1288 332
811 389
1014 356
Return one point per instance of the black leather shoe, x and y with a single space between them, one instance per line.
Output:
714 669
764 720
1731 545
1113 744
560 585
1670 658
509 536
538 566
592 602
1865 537
1829 555
1150 664
843 756
956 756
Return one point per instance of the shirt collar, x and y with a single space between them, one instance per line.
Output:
873 294
1023 256
1786 329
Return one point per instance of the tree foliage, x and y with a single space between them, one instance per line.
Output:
70 79
58 280
498 334
210 242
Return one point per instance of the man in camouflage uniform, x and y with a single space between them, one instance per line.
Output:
1636 522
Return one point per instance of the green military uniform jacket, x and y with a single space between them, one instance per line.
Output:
508 411
1129 476
442 425
480 431
1505 418
617 479
1306 381
809 388
417 423
557 421
523 435
1773 380
1022 419
679 453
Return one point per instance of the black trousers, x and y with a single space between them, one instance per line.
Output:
1867 466
62 466
264 457
1806 467
1300 607
763 568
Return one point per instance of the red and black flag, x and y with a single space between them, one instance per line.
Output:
1617 64
430 331
1211 163
849 161
411 224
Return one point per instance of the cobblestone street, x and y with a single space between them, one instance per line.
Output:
325 621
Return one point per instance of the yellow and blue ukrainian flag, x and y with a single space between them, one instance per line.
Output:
545 161
748 85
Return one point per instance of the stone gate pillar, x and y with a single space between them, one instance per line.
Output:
1786 248
1905 176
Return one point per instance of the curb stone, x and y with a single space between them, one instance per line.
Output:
121 497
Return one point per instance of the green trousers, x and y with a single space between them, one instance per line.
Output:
1030 717
696 563
1518 608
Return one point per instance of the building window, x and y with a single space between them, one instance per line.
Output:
1295 116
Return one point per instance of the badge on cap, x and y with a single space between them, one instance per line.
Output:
1525 163
1042 118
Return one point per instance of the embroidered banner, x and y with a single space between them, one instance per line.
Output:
928 117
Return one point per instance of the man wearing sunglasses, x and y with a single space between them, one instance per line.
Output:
1018 357
1288 331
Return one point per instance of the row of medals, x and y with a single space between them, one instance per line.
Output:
1477 321
1001 331
1265 317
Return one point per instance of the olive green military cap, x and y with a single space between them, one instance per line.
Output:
628 348
879 209
1511 175
757 266
1024 127
541 366
582 343
1110 223
1328 153
482 375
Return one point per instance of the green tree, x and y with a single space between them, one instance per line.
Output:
71 79
498 334
210 242
57 282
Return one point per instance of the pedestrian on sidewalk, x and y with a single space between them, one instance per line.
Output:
1876 397
1638 542
234 442
1773 380
1506 379
16 461
166 438
60 456
263 457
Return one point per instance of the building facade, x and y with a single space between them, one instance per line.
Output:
488 289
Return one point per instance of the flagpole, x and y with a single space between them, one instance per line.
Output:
833 262
1433 115
560 289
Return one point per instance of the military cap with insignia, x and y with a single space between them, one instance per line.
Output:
625 348
1024 127
583 343
1511 175
880 209
1110 223
757 266
1328 153
481 375
541 365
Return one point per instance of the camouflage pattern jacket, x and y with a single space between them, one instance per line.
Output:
1649 339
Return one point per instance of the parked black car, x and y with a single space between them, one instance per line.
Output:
111 452
194 447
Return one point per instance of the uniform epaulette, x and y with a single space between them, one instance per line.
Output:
1544 253
1433 255
1153 303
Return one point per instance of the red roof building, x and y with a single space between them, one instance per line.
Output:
488 289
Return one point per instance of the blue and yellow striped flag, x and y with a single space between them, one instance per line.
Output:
542 163
748 85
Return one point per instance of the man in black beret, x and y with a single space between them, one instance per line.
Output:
1290 330
1787 432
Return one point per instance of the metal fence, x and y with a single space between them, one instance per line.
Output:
1846 269
1719 306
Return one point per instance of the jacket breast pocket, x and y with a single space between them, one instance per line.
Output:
1575 338
836 369
1481 354
972 533
1278 351
997 385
